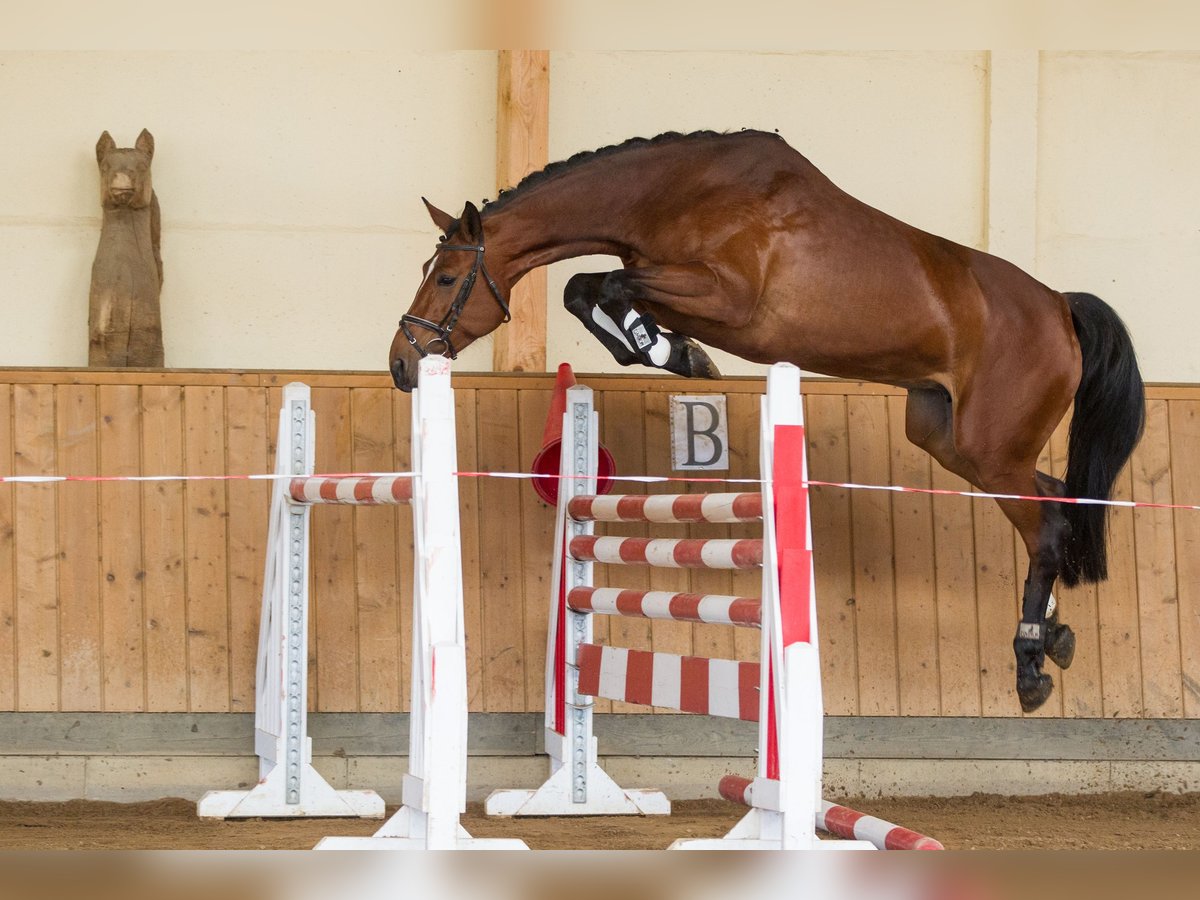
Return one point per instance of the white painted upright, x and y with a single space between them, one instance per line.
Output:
288 784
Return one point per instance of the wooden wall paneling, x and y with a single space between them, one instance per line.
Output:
249 420
206 556
164 523
333 608
833 552
874 569
1158 596
8 625
501 545
958 622
537 529
376 577
997 606
916 580
1082 695
522 146
1185 481
744 439
465 410
36 557
122 565
79 550
623 432
405 563
1117 605
655 420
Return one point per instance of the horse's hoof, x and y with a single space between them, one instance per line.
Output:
1034 692
1060 644
696 362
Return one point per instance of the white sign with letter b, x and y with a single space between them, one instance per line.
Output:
699 432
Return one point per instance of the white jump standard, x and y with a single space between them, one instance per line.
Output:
781 692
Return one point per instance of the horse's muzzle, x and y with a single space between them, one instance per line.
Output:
401 376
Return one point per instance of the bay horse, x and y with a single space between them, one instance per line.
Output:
737 241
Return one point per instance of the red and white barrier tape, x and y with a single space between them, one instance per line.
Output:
640 479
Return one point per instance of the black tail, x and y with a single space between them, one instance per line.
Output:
1110 411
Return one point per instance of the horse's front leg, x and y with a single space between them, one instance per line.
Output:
629 335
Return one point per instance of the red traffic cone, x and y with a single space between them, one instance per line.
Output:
545 464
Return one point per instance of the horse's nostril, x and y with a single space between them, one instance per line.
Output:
397 369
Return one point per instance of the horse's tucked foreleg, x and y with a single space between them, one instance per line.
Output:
581 299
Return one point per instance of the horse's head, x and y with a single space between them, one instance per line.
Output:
458 300
125 172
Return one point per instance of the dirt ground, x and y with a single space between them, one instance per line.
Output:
1125 821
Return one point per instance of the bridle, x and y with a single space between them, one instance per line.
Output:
444 328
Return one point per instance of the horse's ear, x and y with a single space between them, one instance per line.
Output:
145 143
103 145
472 226
444 221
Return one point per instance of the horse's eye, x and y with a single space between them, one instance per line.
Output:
446 280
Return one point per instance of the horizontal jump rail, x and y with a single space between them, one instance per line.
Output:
671 553
693 684
666 508
360 490
712 609
840 821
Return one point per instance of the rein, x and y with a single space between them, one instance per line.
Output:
443 329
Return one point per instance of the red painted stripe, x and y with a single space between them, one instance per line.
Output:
632 506
633 550
580 508
588 659
328 489
791 503
639 677
630 602
296 489
746 611
748 694
748 506
402 489
735 789
687 508
904 839
363 488
839 820
685 607
693 686
580 599
582 548
748 554
688 552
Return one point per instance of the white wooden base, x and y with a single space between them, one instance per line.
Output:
409 829
604 798
266 800
761 829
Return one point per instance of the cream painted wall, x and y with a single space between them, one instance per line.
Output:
290 181
290 186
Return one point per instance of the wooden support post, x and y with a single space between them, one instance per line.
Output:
522 146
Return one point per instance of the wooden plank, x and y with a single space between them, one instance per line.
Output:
1158 597
958 621
8 613
1082 694
376 577
36 557
622 424
500 563
402 462
874 578
998 607
121 549
79 551
1185 480
333 610
537 529
829 460
164 519
1117 599
465 405
522 146
248 423
205 551
916 566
